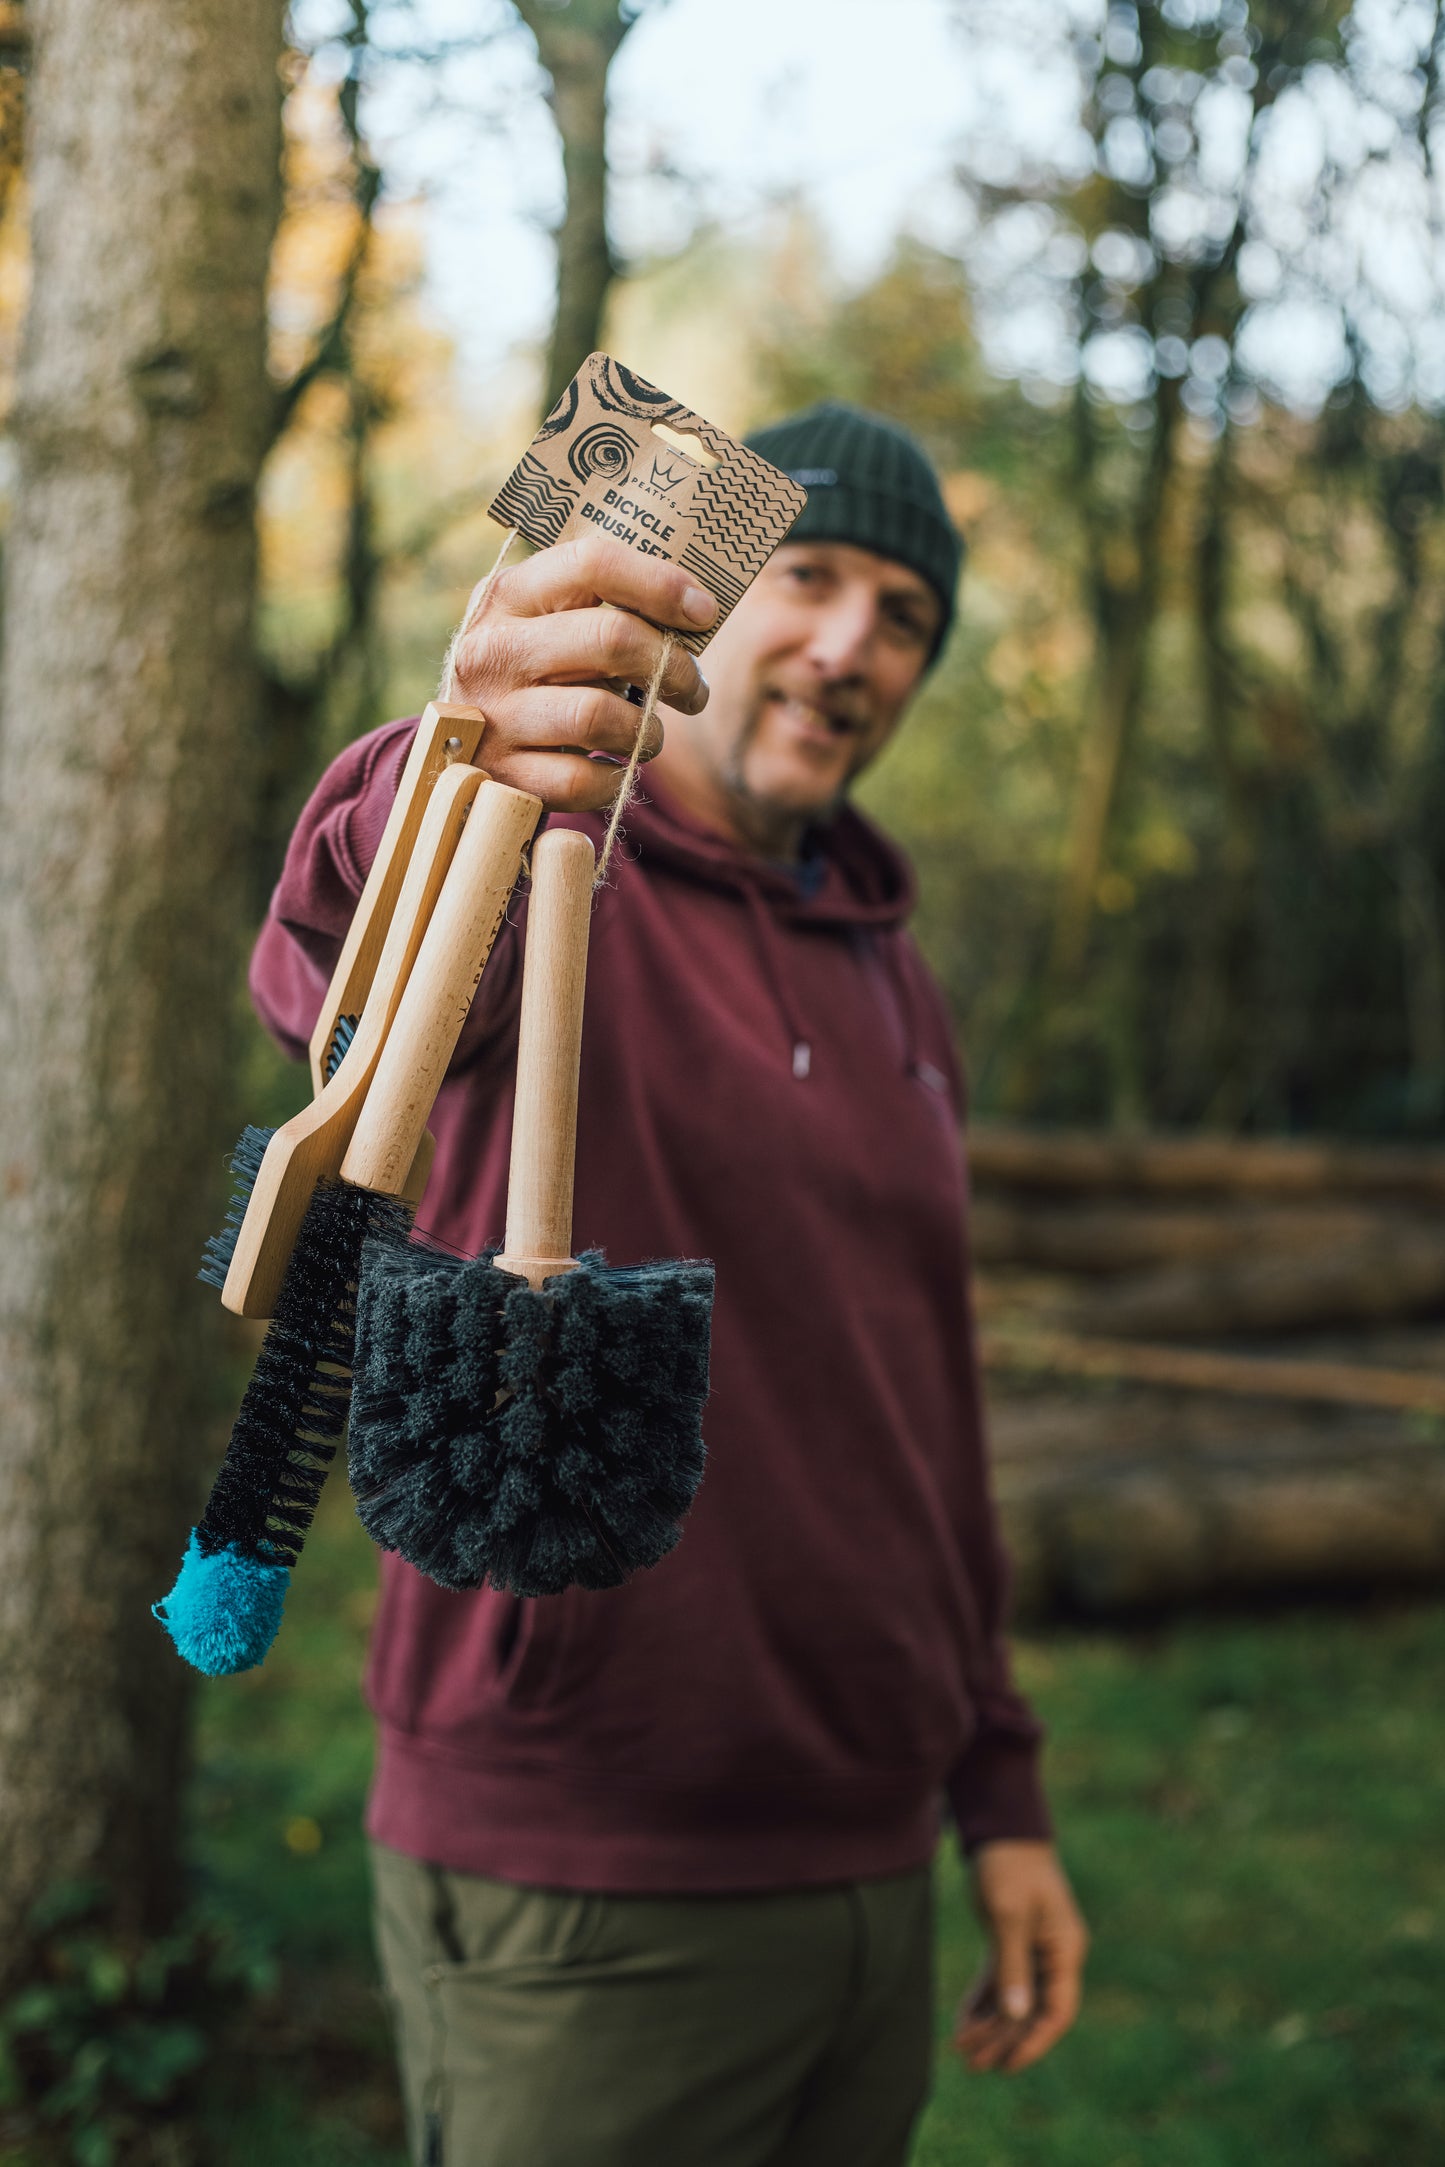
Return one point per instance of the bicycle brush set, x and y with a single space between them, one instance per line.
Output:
525 1419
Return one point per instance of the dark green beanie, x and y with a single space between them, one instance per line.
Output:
871 484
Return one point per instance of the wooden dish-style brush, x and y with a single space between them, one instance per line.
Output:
225 1608
447 735
276 1170
528 1419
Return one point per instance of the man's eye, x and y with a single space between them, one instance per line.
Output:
808 574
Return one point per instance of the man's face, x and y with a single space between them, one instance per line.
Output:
811 673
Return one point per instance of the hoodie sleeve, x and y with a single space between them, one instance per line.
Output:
996 1789
327 861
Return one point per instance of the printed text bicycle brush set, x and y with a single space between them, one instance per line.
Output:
526 1418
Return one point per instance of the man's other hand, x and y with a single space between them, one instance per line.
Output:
1027 1994
545 658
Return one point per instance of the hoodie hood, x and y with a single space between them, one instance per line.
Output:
867 882
865 896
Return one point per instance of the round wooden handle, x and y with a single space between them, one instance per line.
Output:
439 990
549 1054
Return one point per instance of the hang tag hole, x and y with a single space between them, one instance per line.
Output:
691 447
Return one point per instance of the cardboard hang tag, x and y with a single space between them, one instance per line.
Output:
597 466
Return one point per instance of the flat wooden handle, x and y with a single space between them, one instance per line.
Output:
444 724
439 990
311 1145
549 1054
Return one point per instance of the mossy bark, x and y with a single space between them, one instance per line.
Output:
127 727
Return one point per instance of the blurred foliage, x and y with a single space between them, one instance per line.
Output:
1267 946
1177 789
108 2039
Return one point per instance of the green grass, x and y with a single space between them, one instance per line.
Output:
1250 1810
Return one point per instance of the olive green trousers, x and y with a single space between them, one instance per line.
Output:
544 2028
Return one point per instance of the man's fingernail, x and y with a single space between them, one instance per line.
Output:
1016 2001
699 606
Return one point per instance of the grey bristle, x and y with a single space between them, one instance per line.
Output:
533 1441
341 1037
245 1166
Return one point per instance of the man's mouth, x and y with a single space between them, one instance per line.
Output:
815 720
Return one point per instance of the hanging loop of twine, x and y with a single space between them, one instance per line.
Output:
628 783
446 690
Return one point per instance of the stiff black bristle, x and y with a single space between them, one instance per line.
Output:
535 1440
342 1034
245 1166
294 1409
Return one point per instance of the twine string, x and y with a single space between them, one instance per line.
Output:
628 783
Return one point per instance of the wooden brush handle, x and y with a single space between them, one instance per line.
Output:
444 723
439 989
312 1144
549 1054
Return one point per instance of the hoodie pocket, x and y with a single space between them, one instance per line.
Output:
441 1664
531 1636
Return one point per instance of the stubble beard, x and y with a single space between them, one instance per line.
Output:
763 820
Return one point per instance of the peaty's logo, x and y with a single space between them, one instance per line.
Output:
664 479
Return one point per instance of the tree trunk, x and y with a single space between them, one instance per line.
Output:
577 44
126 720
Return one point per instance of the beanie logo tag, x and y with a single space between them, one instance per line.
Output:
813 477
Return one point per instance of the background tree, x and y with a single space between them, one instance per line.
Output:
126 779
577 42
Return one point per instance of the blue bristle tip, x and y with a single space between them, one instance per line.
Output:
225 1609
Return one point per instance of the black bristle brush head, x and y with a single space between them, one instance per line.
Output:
530 1440
225 1608
246 1165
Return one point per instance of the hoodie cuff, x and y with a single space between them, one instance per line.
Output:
996 1791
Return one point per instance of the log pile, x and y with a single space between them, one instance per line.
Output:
1216 1368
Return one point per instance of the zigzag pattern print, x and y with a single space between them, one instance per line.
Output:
728 590
533 502
749 528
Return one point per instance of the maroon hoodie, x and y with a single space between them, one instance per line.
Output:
767 1080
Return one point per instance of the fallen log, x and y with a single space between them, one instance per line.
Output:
1193 1369
1390 1276
1147 1499
1131 1234
1004 1157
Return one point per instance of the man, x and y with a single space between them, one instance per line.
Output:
652 1865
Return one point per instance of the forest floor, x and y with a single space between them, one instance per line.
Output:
1250 1809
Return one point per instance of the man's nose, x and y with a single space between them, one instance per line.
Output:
842 636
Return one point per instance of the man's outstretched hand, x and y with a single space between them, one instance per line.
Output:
1027 1994
544 660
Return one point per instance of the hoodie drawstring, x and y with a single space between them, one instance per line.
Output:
765 934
